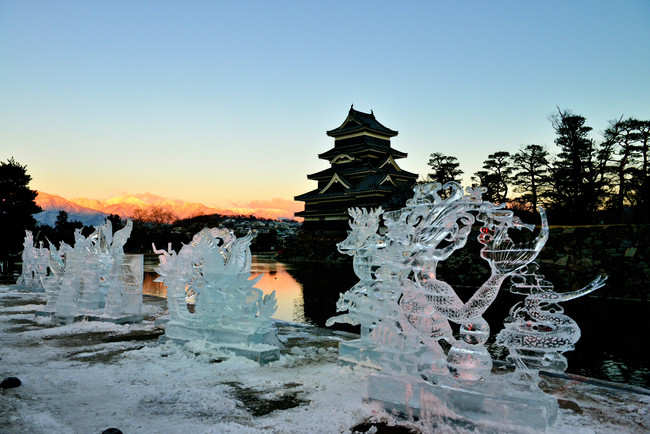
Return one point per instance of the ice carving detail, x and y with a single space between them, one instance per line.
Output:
95 279
213 273
409 311
35 263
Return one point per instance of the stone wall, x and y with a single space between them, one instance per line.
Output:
572 258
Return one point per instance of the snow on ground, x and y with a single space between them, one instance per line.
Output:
90 376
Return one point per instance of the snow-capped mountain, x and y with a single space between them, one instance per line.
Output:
52 204
93 212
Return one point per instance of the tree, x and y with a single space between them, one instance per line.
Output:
444 168
495 176
64 228
578 174
622 138
530 175
643 128
488 180
17 207
116 221
154 215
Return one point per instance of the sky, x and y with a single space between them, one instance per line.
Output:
227 103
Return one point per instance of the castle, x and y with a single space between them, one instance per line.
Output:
363 173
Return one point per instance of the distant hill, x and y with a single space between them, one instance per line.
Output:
53 204
93 212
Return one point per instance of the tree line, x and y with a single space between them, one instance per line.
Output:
586 182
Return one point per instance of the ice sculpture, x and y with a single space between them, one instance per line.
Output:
213 272
412 313
34 268
52 283
537 331
95 280
362 301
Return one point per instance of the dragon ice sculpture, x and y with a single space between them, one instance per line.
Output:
213 272
537 331
409 311
364 244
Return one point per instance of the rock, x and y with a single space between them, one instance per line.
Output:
585 263
630 252
625 243
562 261
10 382
112 431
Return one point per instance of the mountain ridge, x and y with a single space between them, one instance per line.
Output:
93 211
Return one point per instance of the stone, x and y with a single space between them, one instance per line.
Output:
10 383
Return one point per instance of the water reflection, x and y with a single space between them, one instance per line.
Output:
287 291
149 287
275 278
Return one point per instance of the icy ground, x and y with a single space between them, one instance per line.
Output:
91 376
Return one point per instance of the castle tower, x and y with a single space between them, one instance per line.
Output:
363 173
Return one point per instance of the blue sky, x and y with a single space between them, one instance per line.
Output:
227 103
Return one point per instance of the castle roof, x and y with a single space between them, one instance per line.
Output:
356 149
361 122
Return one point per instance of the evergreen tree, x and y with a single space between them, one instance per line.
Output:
530 176
64 228
578 172
643 128
495 176
444 168
621 137
17 207
627 141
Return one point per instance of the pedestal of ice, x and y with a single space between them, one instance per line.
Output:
359 352
230 314
259 347
489 403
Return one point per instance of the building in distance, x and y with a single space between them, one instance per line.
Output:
363 173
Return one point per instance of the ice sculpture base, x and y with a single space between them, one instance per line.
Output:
359 352
489 403
260 347
125 319
29 288
65 320
260 353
